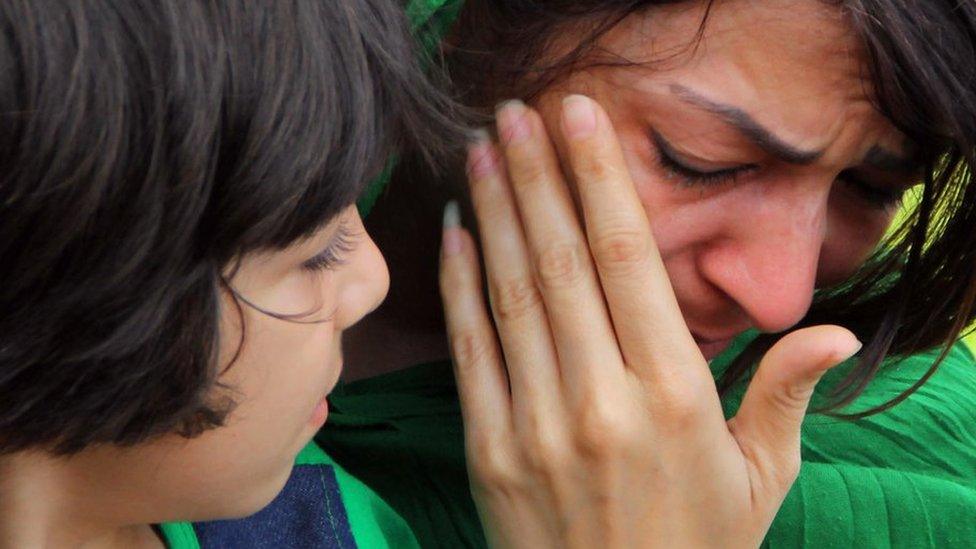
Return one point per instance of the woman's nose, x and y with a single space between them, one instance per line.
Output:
767 260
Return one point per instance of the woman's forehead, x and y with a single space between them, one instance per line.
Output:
792 66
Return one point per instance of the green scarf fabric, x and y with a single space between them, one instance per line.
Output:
902 478
430 21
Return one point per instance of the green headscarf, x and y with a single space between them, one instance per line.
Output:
430 20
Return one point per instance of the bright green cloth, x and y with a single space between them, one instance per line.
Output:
179 535
970 341
902 478
372 522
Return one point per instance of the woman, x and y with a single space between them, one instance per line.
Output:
768 144
180 255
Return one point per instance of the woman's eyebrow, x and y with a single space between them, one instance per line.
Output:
747 125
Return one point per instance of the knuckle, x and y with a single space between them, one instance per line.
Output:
782 394
560 265
514 298
545 455
540 440
470 349
483 449
678 417
490 466
793 396
677 408
528 169
597 167
620 251
603 433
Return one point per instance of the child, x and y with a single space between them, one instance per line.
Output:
179 256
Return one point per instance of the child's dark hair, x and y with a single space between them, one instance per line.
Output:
146 144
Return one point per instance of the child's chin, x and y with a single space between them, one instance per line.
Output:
258 497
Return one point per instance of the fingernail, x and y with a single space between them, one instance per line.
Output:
579 116
512 124
481 154
452 214
478 135
855 347
451 239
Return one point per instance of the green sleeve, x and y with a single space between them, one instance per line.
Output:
840 505
902 478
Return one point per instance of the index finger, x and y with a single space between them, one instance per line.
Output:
651 330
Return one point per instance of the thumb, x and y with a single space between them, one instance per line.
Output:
767 426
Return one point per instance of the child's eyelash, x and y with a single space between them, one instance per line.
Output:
343 243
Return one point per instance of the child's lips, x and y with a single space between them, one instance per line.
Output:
321 410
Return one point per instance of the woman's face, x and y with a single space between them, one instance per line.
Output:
762 163
279 379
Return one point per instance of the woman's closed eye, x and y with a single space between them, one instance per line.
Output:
342 244
878 196
676 166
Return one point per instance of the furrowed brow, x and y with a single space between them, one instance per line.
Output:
747 126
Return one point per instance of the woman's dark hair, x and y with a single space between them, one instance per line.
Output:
146 144
917 292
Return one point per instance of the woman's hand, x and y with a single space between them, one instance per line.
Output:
596 422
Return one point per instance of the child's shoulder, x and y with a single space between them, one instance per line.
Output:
321 505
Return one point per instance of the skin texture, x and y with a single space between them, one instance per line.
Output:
105 496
